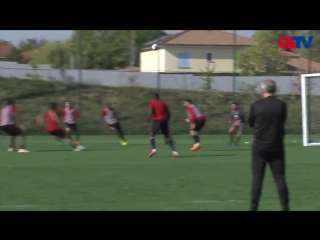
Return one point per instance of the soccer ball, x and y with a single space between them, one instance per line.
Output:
154 46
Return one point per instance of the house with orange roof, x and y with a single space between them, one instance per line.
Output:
26 56
194 50
5 51
298 64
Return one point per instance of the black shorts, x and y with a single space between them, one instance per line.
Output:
160 125
72 126
58 133
12 130
115 126
199 124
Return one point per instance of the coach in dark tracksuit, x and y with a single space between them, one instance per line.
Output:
267 118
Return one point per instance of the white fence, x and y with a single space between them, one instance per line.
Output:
286 85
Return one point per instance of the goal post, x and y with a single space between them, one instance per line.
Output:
310 98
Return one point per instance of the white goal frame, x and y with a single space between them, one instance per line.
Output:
304 108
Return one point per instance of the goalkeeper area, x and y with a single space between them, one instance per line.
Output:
108 176
310 97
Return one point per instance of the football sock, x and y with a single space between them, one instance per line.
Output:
196 139
22 142
70 142
231 136
12 142
122 138
153 142
171 144
77 137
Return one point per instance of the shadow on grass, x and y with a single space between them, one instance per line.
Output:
225 150
208 155
70 150
200 156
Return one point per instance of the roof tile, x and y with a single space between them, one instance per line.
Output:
206 38
295 60
5 51
26 55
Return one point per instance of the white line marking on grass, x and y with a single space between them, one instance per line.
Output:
18 206
218 201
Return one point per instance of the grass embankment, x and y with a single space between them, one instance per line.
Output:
32 97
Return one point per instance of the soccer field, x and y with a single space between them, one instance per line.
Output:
108 176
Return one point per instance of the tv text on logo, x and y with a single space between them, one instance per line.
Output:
292 42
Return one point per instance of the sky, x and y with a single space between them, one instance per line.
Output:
15 36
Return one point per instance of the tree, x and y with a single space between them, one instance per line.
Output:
102 49
271 36
264 58
108 49
4 42
315 47
207 77
314 50
30 44
59 57
15 55
57 54
144 36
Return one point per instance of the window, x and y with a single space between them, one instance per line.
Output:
183 60
209 57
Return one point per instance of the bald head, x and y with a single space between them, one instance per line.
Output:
269 86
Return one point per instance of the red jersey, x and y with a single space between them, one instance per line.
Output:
194 113
160 110
50 122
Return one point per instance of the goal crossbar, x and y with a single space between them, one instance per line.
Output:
304 108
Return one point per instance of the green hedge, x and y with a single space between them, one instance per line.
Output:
33 96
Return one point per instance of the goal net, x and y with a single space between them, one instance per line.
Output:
310 98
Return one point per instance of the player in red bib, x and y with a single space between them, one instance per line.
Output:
69 117
197 122
51 122
160 116
111 119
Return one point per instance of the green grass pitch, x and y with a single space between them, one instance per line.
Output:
108 176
